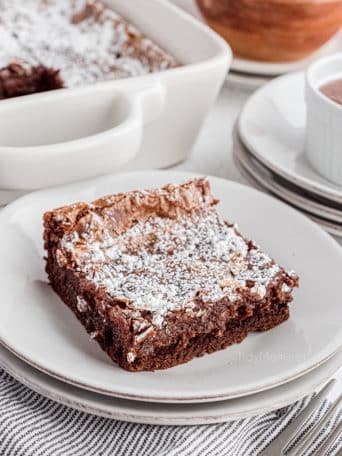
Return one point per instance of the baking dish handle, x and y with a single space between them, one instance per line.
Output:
71 135
150 100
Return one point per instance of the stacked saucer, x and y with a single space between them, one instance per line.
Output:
269 152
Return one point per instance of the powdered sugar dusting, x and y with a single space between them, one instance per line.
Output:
82 305
163 264
84 40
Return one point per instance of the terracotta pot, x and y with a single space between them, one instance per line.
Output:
273 30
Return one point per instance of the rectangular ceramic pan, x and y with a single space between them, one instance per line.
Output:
142 122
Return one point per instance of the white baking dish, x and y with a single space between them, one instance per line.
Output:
142 122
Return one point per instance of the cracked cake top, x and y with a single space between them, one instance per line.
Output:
163 250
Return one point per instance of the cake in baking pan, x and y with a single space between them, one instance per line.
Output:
50 44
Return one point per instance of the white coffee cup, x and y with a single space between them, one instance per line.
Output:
323 145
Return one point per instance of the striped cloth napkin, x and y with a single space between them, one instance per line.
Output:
31 425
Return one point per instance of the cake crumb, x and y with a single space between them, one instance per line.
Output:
82 305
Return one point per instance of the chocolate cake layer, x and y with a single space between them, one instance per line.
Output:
20 79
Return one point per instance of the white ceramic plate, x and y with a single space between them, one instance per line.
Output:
329 227
169 414
7 196
262 182
265 176
254 67
246 81
272 127
36 326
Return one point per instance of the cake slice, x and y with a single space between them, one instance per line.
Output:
157 277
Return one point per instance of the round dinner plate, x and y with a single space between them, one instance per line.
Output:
169 414
272 127
40 329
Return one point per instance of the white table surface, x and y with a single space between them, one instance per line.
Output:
212 154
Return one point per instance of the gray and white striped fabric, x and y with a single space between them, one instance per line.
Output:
31 425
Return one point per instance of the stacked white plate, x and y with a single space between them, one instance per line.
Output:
269 152
45 347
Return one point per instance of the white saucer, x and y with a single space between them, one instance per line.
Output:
169 414
265 183
246 81
254 67
265 177
272 127
36 326
258 184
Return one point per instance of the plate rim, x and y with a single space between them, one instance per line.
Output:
245 81
315 208
261 185
18 370
301 181
329 350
